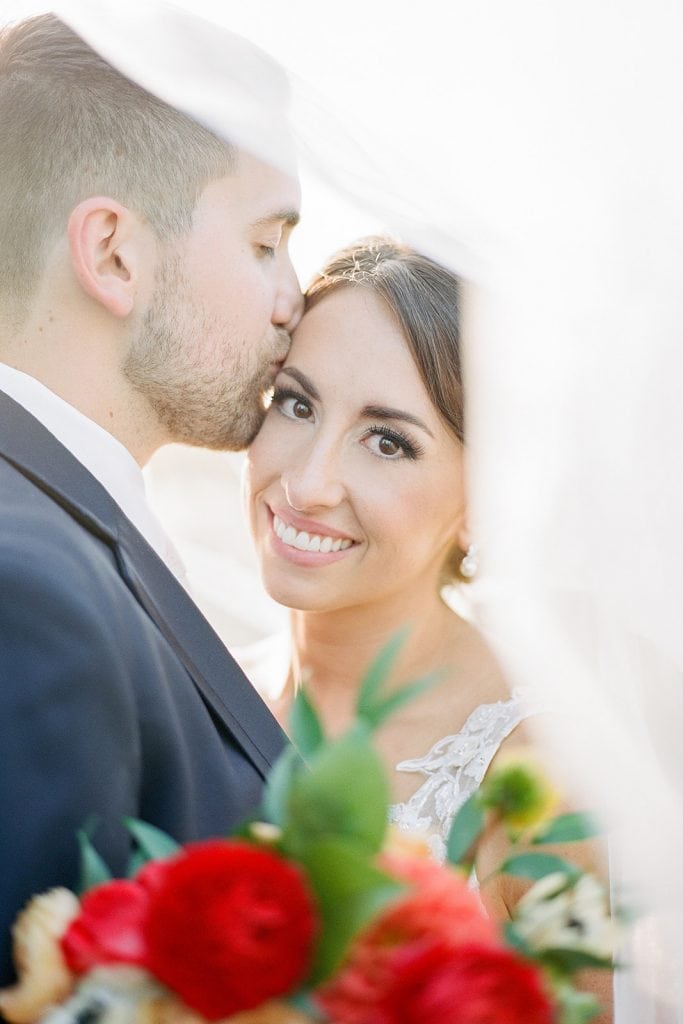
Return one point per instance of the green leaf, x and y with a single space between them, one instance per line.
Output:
302 1002
537 865
383 708
566 961
153 844
277 788
136 861
349 891
378 673
467 826
306 729
569 828
93 869
344 794
576 1007
516 941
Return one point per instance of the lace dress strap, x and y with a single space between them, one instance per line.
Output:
454 768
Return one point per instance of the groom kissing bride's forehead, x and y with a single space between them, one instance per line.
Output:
147 296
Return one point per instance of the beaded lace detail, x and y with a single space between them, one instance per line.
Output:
454 768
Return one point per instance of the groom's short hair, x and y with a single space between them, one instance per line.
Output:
72 126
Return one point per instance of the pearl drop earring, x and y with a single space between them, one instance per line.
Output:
470 563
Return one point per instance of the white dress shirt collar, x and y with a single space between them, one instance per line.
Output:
96 449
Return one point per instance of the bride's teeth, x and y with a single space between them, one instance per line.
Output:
304 541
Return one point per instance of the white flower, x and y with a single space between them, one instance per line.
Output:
560 913
118 994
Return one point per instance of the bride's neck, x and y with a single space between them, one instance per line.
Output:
333 650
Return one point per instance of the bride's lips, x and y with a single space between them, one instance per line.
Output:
299 556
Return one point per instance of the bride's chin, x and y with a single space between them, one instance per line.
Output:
305 597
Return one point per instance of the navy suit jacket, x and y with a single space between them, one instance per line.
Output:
116 696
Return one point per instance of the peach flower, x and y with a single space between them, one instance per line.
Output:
44 978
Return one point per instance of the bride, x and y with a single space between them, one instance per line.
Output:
356 493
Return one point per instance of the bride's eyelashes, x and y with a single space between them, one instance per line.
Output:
390 444
291 403
380 440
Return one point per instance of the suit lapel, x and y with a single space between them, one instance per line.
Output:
38 455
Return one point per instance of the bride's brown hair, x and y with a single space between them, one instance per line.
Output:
425 299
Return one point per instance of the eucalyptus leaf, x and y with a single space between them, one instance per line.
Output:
569 828
153 844
537 865
344 794
277 788
305 727
467 826
349 892
376 676
383 708
93 869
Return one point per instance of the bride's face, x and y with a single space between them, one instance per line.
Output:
354 484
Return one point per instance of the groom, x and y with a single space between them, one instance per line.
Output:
146 297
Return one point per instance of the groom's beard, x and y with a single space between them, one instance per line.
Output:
193 373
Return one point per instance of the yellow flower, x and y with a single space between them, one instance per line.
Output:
518 788
44 978
412 844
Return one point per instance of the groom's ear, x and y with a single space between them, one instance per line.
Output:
106 246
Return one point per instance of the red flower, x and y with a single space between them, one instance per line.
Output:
440 908
471 985
433 983
229 926
109 928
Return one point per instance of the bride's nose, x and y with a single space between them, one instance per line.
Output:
313 480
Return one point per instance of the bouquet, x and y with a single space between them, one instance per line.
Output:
317 911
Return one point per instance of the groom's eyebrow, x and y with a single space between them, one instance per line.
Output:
384 412
305 382
288 217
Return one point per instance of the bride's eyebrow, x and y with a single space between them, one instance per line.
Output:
383 412
301 379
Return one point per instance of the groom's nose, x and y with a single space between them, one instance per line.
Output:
289 302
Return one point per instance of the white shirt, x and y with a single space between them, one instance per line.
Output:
96 449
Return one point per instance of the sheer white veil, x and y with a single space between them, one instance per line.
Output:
536 149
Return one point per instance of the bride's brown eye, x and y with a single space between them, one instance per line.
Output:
387 446
301 410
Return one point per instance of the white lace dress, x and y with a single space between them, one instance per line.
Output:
453 769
